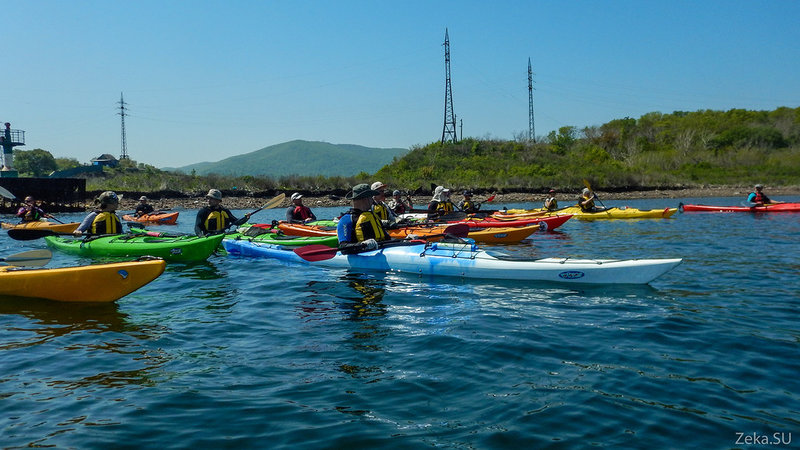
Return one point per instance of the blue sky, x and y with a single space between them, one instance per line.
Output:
205 80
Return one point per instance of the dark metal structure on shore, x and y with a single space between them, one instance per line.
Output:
56 194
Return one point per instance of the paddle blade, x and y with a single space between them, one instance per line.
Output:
316 252
458 230
33 258
277 200
29 234
5 193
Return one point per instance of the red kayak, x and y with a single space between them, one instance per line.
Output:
162 218
772 207
547 223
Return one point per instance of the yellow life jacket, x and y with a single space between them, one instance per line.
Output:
368 226
216 220
445 207
106 223
380 210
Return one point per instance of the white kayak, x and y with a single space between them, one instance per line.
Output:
466 260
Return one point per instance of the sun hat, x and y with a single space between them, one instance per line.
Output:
552 191
396 192
143 198
216 194
361 191
107 197
296 195
377 186
758 186
28 199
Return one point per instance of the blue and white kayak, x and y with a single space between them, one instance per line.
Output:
466 260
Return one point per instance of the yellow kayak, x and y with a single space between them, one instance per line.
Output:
622 212
42 225
92 283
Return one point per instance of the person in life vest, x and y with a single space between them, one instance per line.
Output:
440 203
214 218
30 212
760 198
550 203
398 205
102 220
467 205
586 201
359 229
143 207
384 213
297 212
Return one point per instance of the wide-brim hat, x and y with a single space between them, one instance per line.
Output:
361 191
216 194
107 198
376 186
143 198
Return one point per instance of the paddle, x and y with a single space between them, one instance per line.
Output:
272 203
33 258
4 192
589 186
323 252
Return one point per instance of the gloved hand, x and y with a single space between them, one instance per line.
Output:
411 237
370 244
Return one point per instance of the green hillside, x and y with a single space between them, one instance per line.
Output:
300 158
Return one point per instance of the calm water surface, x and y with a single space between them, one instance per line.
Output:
238 352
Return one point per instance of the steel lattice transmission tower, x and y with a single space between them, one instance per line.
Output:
531 127
122 114
449 131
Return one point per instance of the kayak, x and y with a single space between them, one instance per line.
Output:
171 248
43 225
278 238
466 260
506 235
160 218
546 223
92 283
622 212
776 207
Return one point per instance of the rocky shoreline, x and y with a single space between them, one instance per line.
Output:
254 202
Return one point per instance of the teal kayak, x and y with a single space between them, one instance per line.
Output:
267 235
170 248
465 260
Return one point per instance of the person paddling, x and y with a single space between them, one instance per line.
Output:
143 208
297 212
398 205
759 197
384 213
104 219
359 229
440 203
586 201
214 218
550 203
31 212
468 206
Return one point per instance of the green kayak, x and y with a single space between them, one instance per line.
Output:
171 249
261 233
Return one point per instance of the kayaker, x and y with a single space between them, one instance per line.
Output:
440 203
104 219
143 207
759 198
586 201
359 229
379 206
30 212
398 205
214 218
550 203
297 212
468 206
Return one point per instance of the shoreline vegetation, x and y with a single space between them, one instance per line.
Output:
420 201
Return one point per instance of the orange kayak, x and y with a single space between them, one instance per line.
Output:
494 235
485 235
160 218
42 225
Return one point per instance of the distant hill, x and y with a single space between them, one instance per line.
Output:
300 158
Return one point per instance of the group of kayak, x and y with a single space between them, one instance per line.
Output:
446 247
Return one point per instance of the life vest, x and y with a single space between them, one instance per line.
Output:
551 203
589 206
368 226
301 213
399 208
444 207
468 206
381 211
760 198
217 220
106 223
32 214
